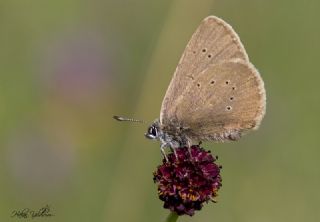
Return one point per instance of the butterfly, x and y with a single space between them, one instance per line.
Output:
215 94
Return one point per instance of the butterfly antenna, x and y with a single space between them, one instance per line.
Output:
120 118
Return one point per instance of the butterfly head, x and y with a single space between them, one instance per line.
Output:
153 132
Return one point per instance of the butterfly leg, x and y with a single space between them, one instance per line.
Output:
162 147
189 147
173 149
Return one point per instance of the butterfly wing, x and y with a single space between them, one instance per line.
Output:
221 103
213 41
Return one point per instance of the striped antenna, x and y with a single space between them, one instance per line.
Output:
120 118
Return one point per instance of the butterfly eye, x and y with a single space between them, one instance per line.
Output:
152 133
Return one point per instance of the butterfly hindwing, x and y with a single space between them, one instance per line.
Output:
226 100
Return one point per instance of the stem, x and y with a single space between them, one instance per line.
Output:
172 217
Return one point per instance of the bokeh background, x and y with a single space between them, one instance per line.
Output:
66 67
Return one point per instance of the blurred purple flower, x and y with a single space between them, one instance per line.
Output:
78 66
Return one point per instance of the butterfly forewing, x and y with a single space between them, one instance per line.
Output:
213 41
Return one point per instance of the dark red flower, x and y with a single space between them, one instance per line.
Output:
186 182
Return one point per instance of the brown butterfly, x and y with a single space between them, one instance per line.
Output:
215 94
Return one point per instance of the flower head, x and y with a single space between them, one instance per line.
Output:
187 180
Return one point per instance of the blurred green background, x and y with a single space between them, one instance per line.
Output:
67 66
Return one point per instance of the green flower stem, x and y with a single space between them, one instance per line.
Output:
173 217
